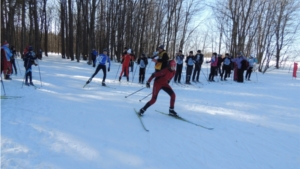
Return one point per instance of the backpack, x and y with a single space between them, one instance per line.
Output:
245 64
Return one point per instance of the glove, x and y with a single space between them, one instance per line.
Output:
148 85
108 69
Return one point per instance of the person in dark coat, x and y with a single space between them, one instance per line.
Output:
198 59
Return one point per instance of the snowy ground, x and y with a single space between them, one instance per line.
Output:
64 126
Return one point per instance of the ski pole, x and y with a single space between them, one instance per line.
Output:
145 97
3 86
134 73
256 76
18 66
118 71
25 73
40 73
135 92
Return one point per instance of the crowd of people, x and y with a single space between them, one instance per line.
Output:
165 68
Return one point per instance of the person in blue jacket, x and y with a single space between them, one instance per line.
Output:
101 59
179 61
94 55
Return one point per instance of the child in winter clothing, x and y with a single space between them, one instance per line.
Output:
143 62
101 59
29 60
179 60
189 67
161 81
213 67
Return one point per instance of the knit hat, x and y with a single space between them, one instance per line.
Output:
191 52
199 51
30 48
5 43
180 51
161 47
104 50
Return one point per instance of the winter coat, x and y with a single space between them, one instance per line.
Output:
143 62
179 59
198 59
189 60
102 59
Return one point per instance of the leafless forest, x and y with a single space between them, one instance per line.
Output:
268 29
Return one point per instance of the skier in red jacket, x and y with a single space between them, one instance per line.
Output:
125 64
161 81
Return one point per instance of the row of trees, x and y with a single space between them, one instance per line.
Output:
264 28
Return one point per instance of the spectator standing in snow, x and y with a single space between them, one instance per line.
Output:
226 66
198 59
161 81
189 67
142 62
240 60
179 60
251 62
213 66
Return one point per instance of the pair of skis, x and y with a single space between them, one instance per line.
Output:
176 117
101 85
10 97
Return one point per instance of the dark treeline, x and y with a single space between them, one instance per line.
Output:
75 27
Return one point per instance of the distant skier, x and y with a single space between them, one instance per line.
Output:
125 64
29 60
101 59
161 81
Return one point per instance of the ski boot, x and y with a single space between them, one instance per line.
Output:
103 84
141 112
90 79
172 112
31 84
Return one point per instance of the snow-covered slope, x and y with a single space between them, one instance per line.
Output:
62 125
